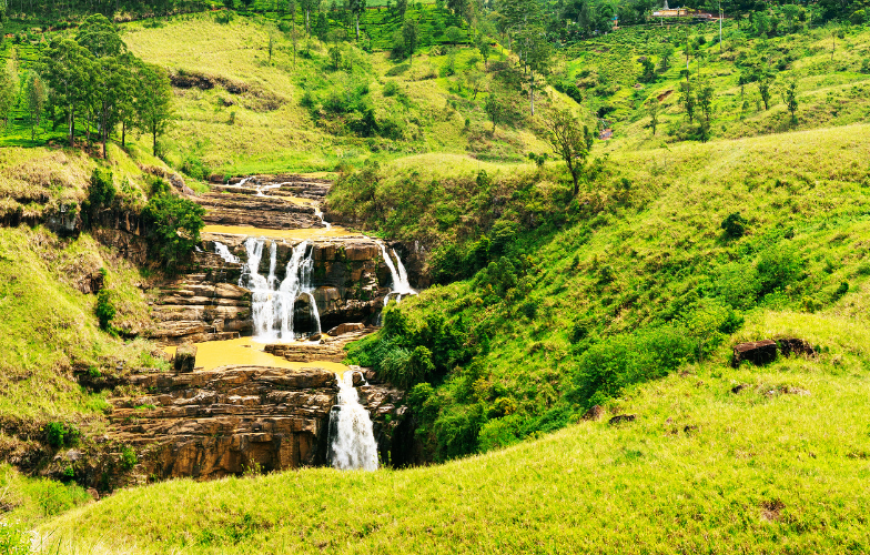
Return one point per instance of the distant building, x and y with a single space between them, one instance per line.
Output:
684 13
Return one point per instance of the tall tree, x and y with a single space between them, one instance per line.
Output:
764 90
537 53
653 111
69 69
36 95
493 109
571 141
484 48
8 92
410 37
357 7
309 6
789 96
154 102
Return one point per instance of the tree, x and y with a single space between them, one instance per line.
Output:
789 96
485 49
35 101
705 100
665 58
154 102
571 142
335 57
688 99
401 8
308 6
537 52
229 4
764 90
357 7
493 109
247 4
648 71
409 37
174 226
100 37
8 93
453 34
68 74
653 111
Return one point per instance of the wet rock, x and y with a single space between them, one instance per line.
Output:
185 358
756 352
341 329
622 418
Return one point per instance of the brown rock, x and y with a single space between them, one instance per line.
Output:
757 352
185 358
594 413
794 346
346 328
620 418
738 388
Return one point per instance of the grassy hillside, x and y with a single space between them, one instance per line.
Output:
827 64
769 469
564 302
310 115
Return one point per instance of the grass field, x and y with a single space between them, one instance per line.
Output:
777 467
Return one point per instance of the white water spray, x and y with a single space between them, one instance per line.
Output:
319 213
352 439
224 252
273 303
401 287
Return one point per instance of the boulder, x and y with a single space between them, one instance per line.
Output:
621 418
756 352
185 358
794 346
595 413
346 328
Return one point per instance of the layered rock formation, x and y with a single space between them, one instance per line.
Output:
236 419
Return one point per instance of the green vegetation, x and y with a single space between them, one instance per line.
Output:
175 224
768 469
566 303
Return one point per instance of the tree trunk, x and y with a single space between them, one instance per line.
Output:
154 142
71 128
124 135
532 91
357 25
307 25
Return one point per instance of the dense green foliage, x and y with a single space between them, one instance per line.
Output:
173 224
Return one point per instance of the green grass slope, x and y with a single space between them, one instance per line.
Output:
776 468
639 263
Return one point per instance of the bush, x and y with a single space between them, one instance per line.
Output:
734 226
391 88
102 190
777 267
129 459
105 310
610 366
173 226
60 434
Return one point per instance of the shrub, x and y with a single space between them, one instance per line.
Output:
60 434
391 88
610 366
102 190
734 226
129 459
778 267
105 310
174 226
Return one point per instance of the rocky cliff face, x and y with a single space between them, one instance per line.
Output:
236 419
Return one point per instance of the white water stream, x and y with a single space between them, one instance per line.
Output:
273 302
224 252
352 440
400 286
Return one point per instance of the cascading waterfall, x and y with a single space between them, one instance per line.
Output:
401 286
273 303
224 252
351 441
319 213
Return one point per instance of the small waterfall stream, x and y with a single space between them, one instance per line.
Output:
400 286
351 441
224 252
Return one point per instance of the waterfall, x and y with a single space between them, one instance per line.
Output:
273 302
224 252
319 213
400 286
242 182
351 441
